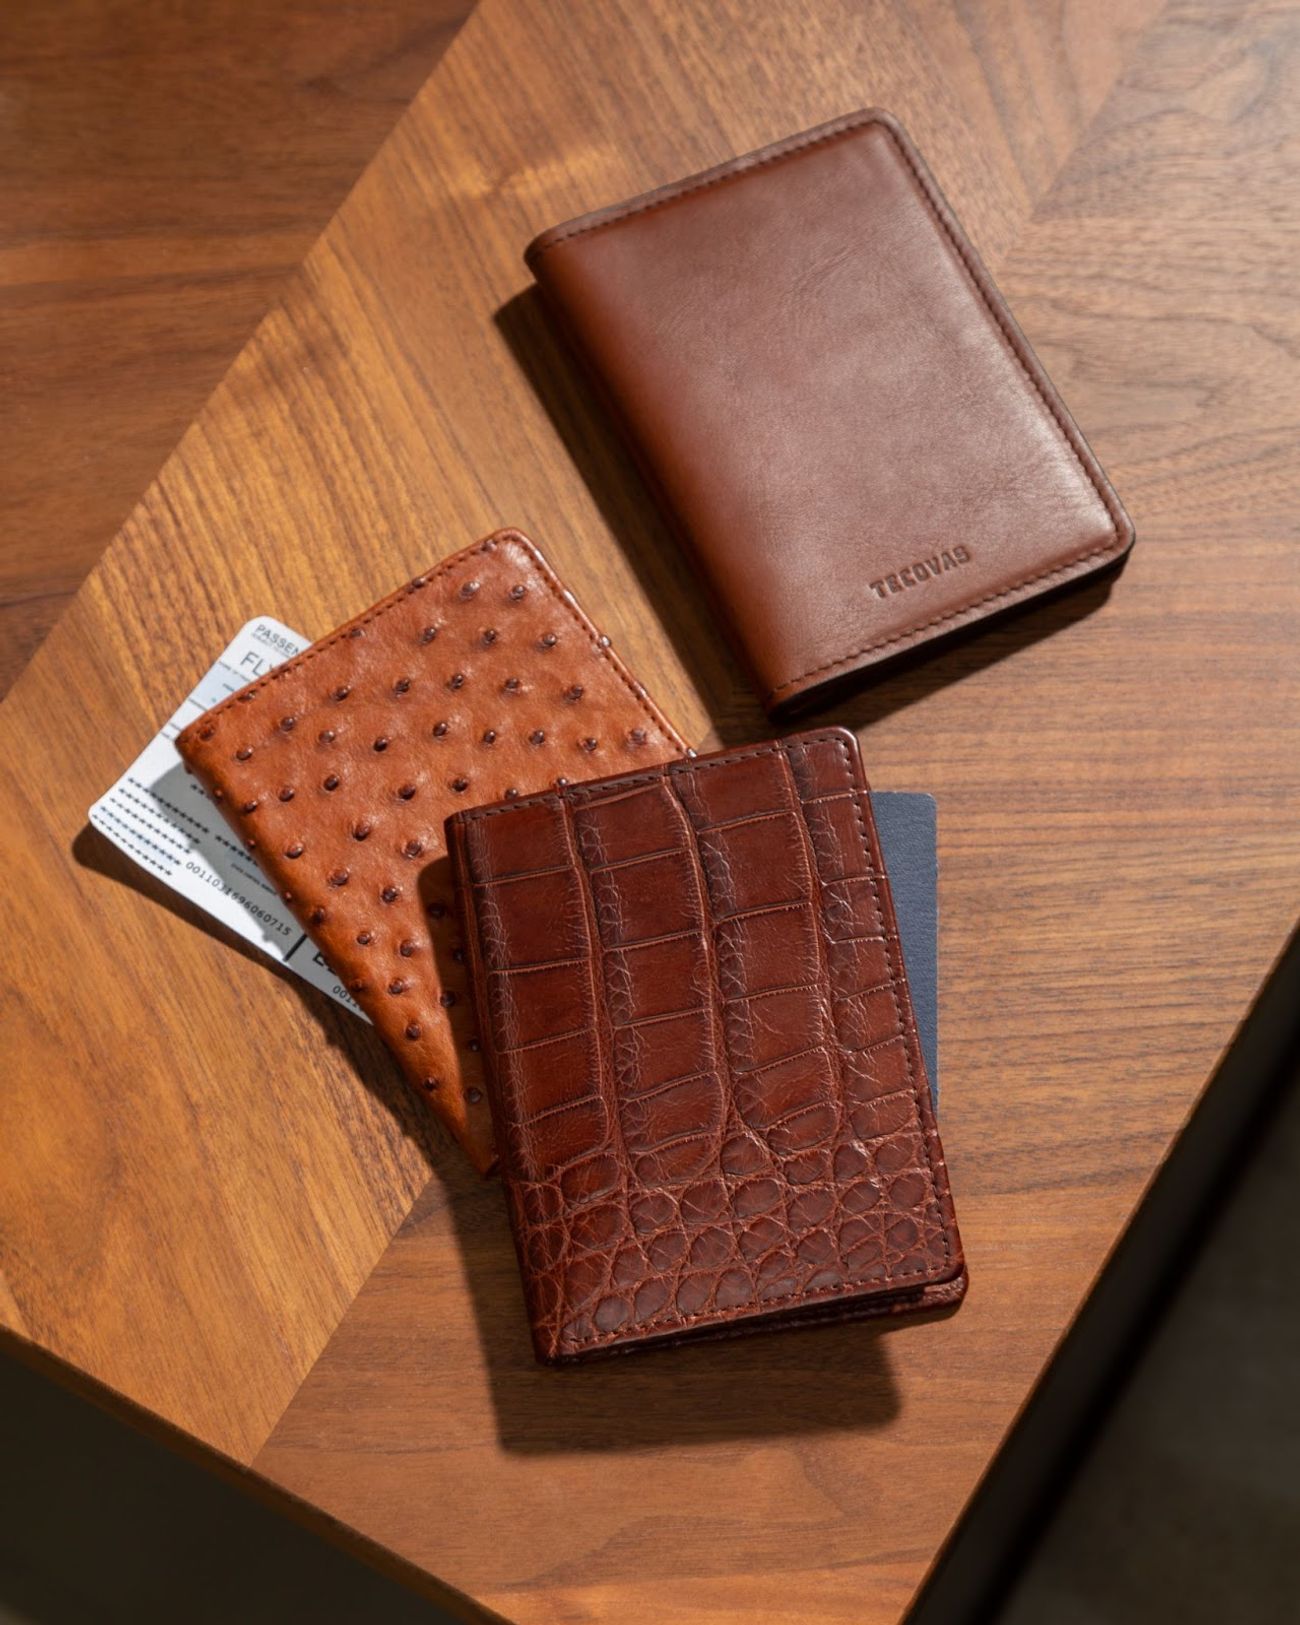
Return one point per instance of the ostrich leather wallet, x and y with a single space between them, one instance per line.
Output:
710 1101
836 404
477 680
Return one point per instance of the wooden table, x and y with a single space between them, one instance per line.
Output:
218 1202
164 166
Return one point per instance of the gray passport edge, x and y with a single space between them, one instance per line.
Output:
907 824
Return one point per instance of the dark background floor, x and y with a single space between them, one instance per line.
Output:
1187 1506
99 1524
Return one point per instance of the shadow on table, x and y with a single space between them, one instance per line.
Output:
339 1029
100 1522
769 1385
633 515
679 595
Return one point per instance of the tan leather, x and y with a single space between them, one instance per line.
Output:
480 679
710 1099
837 405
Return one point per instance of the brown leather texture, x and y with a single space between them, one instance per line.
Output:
710 1099
815 369
477 680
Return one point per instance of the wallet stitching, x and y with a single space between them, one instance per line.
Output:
930 1295
599 1031
554 798
735 170
489 545
1013 342
727 1316
895 977
915 630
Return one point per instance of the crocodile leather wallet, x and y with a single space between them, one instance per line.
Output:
709 1096
477 680
818 374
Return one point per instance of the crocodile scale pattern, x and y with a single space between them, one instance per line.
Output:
477 680
703 1064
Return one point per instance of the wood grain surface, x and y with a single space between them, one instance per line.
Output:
163 165
205 1163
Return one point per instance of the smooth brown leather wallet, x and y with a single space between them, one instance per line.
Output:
702 1061
477 680
817 372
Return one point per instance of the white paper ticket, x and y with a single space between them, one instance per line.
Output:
161 816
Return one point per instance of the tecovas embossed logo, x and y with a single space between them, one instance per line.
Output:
915 574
